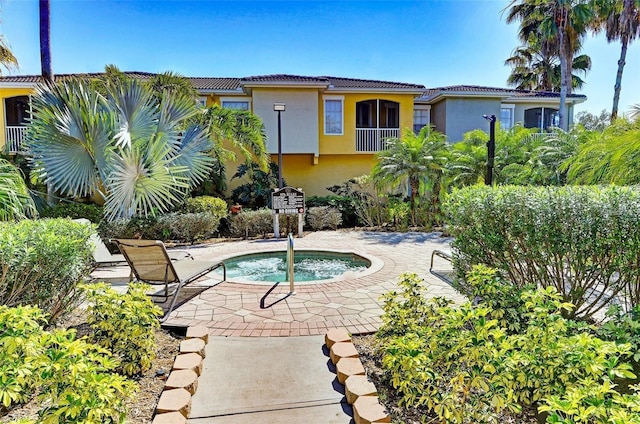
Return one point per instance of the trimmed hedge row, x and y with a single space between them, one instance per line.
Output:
584 241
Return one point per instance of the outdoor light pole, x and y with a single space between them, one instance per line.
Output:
279 107
491 148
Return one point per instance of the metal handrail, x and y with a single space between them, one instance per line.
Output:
290 260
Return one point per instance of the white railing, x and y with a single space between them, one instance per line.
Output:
373 139
14 138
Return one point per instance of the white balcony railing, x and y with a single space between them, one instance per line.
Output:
14 138
373 139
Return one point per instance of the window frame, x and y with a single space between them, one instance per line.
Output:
246 100
340 99
512 108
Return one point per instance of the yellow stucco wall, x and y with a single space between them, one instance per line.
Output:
299 171
6 93
346 143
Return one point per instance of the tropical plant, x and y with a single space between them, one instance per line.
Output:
15 201
562 24
620 21
610 157
416 158
7 59
634 112
256 192
123 145
538 68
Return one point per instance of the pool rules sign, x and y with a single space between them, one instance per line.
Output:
287 200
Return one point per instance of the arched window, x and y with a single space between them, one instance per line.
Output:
542 118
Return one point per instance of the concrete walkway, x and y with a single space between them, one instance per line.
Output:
268 380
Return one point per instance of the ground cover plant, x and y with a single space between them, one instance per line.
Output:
583 241
461 365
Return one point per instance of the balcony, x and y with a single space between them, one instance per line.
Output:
14 138
373 139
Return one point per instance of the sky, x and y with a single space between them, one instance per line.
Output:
434 43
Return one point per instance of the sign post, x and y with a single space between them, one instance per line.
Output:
287 200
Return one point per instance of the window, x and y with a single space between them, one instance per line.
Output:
420 119
333 116
237 105
506 116
202 101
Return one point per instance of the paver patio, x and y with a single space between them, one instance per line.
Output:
240 309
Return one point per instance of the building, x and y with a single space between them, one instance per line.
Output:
331 127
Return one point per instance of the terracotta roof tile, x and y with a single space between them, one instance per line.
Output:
432 92
285 78
207 83
339 82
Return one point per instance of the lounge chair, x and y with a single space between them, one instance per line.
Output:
150 263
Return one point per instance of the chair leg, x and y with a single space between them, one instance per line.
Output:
173 303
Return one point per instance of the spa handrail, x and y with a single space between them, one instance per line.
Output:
290 260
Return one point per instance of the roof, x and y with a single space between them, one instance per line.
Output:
209 83
434 93
34 79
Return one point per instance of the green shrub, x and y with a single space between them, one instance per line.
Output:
344 204
124 324
74 210
177 226
321 217
250 223
73 379
213 205
460 365
579 240
399 214
20 329
42 261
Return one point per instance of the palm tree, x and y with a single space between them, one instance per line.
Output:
634 113
15 201
539 69
45 40
125 146
416 158
620 21
562 23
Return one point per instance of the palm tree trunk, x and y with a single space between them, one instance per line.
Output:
45 41
618 86
565 79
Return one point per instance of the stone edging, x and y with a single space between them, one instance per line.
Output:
175 401
360 392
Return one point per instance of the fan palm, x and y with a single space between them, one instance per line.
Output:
416 158
123 145
15 201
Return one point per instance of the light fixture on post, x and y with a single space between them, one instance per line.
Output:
491 148
279 107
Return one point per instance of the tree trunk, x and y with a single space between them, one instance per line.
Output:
565 78
618 86
45 41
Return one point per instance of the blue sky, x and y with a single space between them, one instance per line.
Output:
435 43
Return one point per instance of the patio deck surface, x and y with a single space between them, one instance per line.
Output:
241 309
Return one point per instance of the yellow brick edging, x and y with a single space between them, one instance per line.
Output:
335 358
194 332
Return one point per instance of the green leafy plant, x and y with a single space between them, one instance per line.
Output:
321 217
250 223
42 262
15 201
124 324
344 204
580 240
74 210
213 205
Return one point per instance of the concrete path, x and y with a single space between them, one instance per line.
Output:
268 380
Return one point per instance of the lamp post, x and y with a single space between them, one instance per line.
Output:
491 148
279 107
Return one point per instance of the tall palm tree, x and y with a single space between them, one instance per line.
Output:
125 146
416 158
45 40
15 201
561 22
621 21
